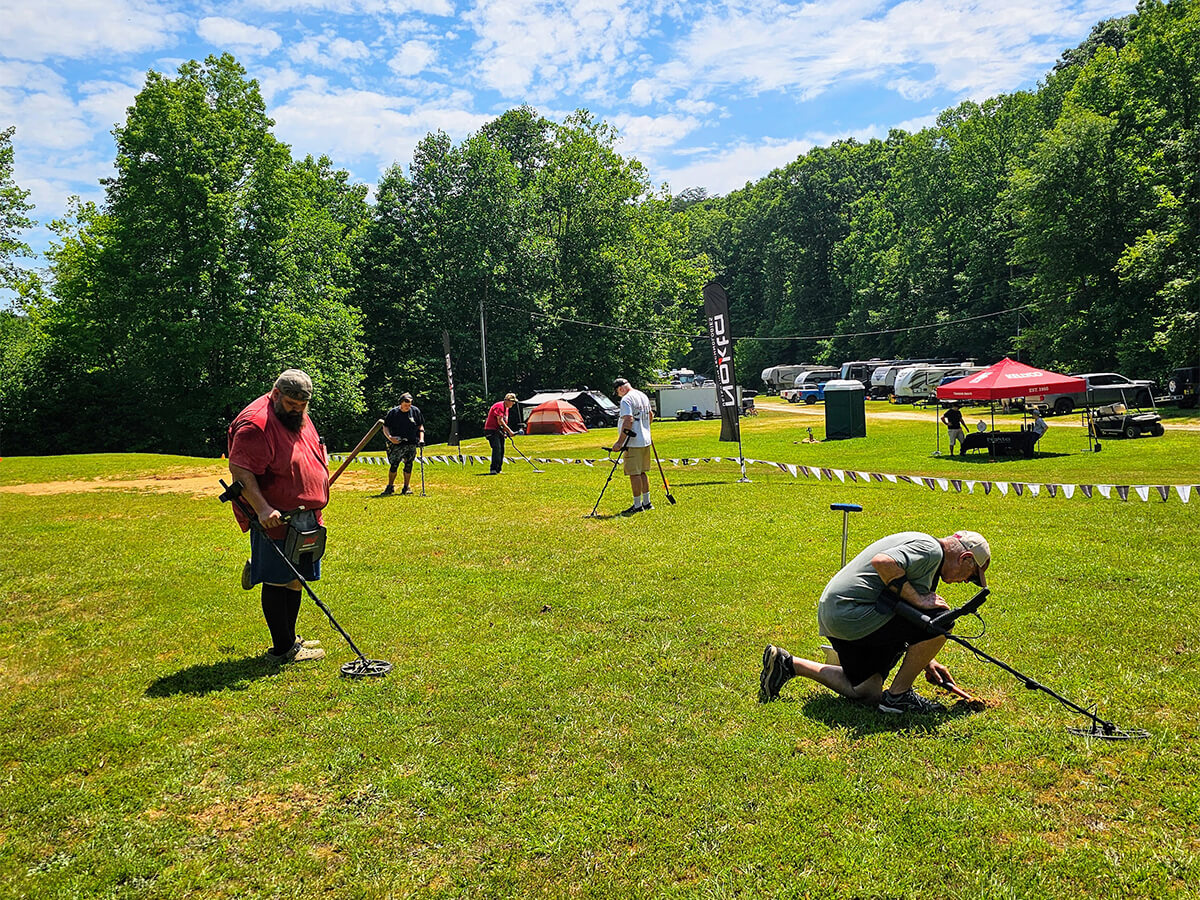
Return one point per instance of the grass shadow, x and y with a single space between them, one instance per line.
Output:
205 678
983 457
863 719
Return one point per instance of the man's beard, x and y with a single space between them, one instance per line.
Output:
292 421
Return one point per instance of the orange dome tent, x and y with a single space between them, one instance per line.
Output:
554 417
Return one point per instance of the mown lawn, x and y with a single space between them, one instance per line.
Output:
573 707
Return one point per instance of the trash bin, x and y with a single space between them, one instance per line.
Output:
845 409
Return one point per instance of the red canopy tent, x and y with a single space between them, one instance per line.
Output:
1009 378
554 417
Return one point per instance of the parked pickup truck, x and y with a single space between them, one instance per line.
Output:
1102 388
807 384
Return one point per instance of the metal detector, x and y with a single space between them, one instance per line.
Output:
616 462
666 487
359 668
523 456
421 453
941 625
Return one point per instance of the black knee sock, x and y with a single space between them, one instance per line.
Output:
281 606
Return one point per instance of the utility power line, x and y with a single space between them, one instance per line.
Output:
806 337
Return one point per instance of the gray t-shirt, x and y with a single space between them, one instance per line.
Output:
847 607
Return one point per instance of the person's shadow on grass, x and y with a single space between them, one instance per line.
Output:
204 678
865 719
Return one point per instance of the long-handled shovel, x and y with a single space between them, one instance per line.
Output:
353 453
666 487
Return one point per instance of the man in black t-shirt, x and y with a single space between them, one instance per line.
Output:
953 418
404 428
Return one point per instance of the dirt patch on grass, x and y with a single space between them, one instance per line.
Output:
181 483
243 814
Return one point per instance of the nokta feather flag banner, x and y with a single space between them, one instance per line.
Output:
995 489
451 441
720 333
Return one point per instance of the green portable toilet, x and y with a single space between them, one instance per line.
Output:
845 409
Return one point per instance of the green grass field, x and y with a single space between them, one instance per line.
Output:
573 707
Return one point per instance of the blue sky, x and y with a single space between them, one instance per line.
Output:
707 94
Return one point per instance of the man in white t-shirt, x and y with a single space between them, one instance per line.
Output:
634 438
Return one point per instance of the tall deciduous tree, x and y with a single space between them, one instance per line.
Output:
215 261
14 204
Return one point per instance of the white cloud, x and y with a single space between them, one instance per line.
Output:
641 135
540 49
329 51
412 58
366 127
917 47
237 37
729 169
86 28
356 7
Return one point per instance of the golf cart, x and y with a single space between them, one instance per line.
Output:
1117 420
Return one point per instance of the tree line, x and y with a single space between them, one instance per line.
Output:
1060 223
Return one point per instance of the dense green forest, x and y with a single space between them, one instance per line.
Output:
1061 223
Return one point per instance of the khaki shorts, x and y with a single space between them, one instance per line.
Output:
637 460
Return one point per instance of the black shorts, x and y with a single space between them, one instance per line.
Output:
878 652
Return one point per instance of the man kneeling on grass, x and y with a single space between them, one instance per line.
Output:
869 642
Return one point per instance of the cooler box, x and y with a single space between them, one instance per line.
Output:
845 409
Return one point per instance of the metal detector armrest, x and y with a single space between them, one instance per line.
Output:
890 602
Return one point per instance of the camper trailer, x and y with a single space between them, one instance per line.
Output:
918 383
776 378
863 369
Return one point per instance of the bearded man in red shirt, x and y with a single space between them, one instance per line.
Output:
277 455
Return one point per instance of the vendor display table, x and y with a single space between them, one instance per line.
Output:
1001 443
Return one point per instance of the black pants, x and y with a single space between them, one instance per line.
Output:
496 439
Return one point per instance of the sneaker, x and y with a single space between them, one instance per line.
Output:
288 655
776 672
909 702
631 511
406 490
648 507
387 491
300 651
247 578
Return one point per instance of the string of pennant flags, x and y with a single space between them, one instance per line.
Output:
1144 492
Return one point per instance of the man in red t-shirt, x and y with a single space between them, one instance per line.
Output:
496 429
275 452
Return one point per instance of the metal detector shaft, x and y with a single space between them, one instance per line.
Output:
523 456
353 453
616 461
252 516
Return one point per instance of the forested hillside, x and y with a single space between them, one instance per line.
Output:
1061 223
